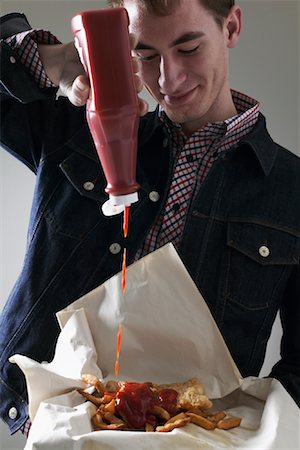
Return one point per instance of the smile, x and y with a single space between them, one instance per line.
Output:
175 100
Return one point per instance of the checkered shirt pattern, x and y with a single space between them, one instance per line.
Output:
26 428
25 45
193 157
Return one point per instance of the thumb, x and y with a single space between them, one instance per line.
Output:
78 91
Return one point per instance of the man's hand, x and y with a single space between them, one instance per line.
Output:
63 66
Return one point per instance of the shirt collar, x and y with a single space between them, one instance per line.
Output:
247 111
258 138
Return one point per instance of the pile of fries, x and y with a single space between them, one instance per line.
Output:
149 407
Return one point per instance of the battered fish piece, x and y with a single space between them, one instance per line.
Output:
190 394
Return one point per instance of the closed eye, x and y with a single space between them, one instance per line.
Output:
189 51
146 58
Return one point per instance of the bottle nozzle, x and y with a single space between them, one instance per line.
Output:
124 200
116 203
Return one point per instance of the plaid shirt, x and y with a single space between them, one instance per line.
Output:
193 157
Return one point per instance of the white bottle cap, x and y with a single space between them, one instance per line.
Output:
109 209
125 200
116 204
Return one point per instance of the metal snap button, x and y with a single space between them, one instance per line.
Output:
176 207
13 413
115 248
264 251
154 196
88 185
12 59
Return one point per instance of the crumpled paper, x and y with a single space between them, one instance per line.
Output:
169 335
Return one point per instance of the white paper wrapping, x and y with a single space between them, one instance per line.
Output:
168 336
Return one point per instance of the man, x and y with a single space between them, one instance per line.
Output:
208 172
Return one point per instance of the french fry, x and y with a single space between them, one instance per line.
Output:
201 421
94 381
110 426
171 425
149 427
111 418
197 411
107 398
228 423
97 420
95 400
160 412
181 415
216 417
111 406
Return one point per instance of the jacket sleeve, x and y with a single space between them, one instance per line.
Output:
13 23
15 79
287 370
30 115
22 101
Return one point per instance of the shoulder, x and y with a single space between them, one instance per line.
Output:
12 24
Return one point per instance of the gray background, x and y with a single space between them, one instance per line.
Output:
265 65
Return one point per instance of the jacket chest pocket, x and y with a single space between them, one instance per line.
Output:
75 205
260 259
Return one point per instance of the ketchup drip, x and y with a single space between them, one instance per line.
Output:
125 232
124 267
135 402
126 219
119 338
123 285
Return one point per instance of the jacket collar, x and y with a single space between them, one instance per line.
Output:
261 143
149 125
82 142
258 140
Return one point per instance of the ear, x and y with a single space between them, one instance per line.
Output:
233 26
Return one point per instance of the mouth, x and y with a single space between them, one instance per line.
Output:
179 99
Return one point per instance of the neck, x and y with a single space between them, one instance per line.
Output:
223 109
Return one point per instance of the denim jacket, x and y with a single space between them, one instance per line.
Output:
241 240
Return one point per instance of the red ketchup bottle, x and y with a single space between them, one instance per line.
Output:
102 40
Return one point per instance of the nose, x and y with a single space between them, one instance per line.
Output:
171 76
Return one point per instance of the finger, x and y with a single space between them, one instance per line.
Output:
138 83
78 92
133 40
143 107
136 64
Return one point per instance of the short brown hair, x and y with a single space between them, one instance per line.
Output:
219 8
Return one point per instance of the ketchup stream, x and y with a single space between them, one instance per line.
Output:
123 285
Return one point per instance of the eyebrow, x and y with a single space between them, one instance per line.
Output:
186 37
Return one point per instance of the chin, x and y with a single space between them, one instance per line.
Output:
182 117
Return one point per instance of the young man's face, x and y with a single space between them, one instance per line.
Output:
185 61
